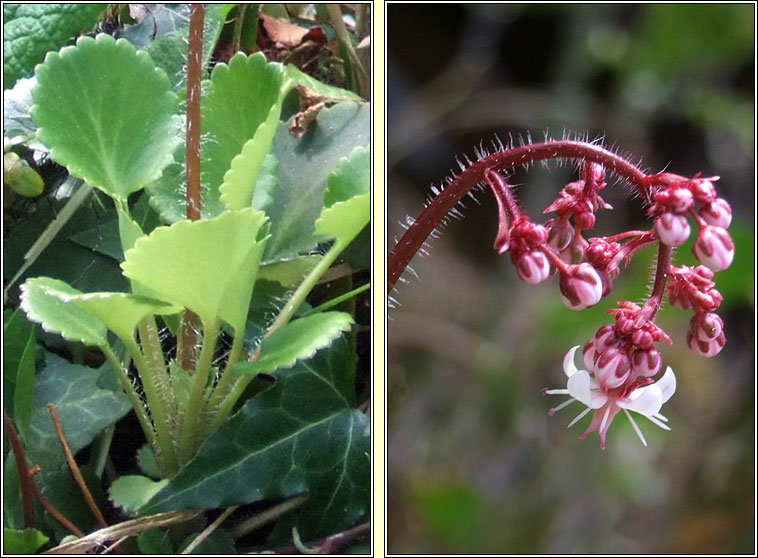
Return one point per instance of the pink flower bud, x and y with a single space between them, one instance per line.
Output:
585 220
646 362
703 190
533 267
642 339
672 229
612 368
680 200
589 353
536 234
605 338
706 326
718 213
678 298
706 348
714 248
560 234
581 286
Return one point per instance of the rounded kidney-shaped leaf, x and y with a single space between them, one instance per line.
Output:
106 113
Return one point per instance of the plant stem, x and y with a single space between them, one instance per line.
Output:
195 402
226 398
414 237
156 361
132 395
166 455
24 481
653 304
188 330
337 300
194 69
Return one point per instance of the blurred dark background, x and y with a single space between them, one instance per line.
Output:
474 463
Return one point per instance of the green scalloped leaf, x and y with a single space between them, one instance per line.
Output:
320 88
298 340
107 114
120 312
42 302
131 492
208 266
241 96
240 180
301 435
304 167
30 30
347 199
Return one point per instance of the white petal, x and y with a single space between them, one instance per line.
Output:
646 400
579 388
667 384
568 362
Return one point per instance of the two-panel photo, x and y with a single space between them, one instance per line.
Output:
381 278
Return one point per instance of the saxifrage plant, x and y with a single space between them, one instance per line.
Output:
621 360
113 119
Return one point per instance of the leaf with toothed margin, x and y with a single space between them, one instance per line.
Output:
106 113
243 99
301 435
50 302
208 266
347 199
298 340
41 300
304 167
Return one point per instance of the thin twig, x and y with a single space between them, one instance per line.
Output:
54 513
75 468
208 530
24 481
267 516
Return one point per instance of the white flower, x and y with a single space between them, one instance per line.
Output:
646 400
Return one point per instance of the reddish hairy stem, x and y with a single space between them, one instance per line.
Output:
653 304
194 69
422 227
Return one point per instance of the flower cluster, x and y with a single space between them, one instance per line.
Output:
676 200
621 359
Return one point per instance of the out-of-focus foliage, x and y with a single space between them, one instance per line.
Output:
475 464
